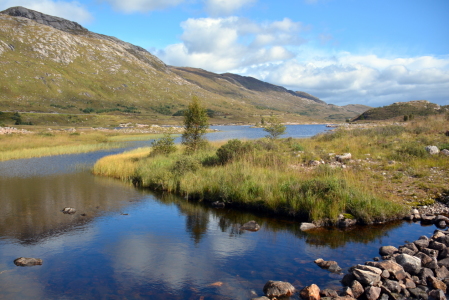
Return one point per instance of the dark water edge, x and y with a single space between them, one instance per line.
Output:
134 244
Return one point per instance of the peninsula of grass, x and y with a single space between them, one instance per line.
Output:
47 143
390 171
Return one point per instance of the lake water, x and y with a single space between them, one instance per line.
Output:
127 243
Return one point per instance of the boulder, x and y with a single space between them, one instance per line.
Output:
345 223
441 272
372 292
307 226
357 289
445 152
366 278
328 293
411 264
436 284
418 293
437 295
69 210
430 252
279 289
437 245
311 292
421 243
387 250
250 226
426 273
444 240
394 268
392 285
27 261
432 150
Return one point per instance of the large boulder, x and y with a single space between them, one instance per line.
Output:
411 264
27 261
311 292
280 289
372 292
366 278
395 269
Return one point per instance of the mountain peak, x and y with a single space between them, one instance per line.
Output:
55 22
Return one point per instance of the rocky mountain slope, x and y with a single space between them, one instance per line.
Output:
52 65
401 109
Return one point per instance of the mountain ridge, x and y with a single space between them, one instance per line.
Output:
48 69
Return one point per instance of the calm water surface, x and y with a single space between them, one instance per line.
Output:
133 244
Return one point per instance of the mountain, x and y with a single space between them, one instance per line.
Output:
52 65
401 109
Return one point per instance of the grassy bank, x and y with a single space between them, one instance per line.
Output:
47 143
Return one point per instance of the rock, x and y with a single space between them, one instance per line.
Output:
437 245
425 273
436 284
441 224
387 250
218 204
27 261
392 285
418 293
279 289
328 293
409 283
366 278
444 262
432 150
441 272
347 291
444 240
311 292
348 279
437 295
373 269
394 268
445 152
313 163
372 293
411 264
357 289
250 226
307 226
69 210
344 157
421 244
427 218
331 265
261 298
346 223
44 19
430 252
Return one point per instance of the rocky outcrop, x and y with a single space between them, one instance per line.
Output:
55 22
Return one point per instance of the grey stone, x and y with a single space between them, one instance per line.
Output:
387 250
307 226
372 293
430 252
426 273
441 272
444 262
69 210
437 245
343 157
366 278
411 264
432 150
357 289
393 268
418 293
437 295
392 285
278 289
421 244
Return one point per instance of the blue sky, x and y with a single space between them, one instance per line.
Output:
343 51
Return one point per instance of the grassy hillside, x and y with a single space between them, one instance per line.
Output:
400 109
81 73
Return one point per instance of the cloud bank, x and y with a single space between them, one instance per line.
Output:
73 10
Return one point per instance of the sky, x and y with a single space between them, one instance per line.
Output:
372 52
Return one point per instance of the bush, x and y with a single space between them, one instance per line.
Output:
184 165
165 145
232 149
411 150
444 146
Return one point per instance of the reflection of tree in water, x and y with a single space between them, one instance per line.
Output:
229 220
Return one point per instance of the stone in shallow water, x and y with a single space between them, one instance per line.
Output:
250 226
27 261
311 292
279 289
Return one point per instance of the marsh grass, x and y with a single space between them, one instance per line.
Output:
46 143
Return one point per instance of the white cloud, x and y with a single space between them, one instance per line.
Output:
223 44
364 79
72 11
225 7
131 6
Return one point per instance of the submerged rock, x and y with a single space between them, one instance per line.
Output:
27 261
69 210
250 226
331 265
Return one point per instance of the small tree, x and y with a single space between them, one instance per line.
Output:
195 126
274 128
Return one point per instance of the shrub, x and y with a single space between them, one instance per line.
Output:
444 146
232 149
184 165
274 128
411 150
164 145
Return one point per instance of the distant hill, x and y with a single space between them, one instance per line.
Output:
401 109
52 65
